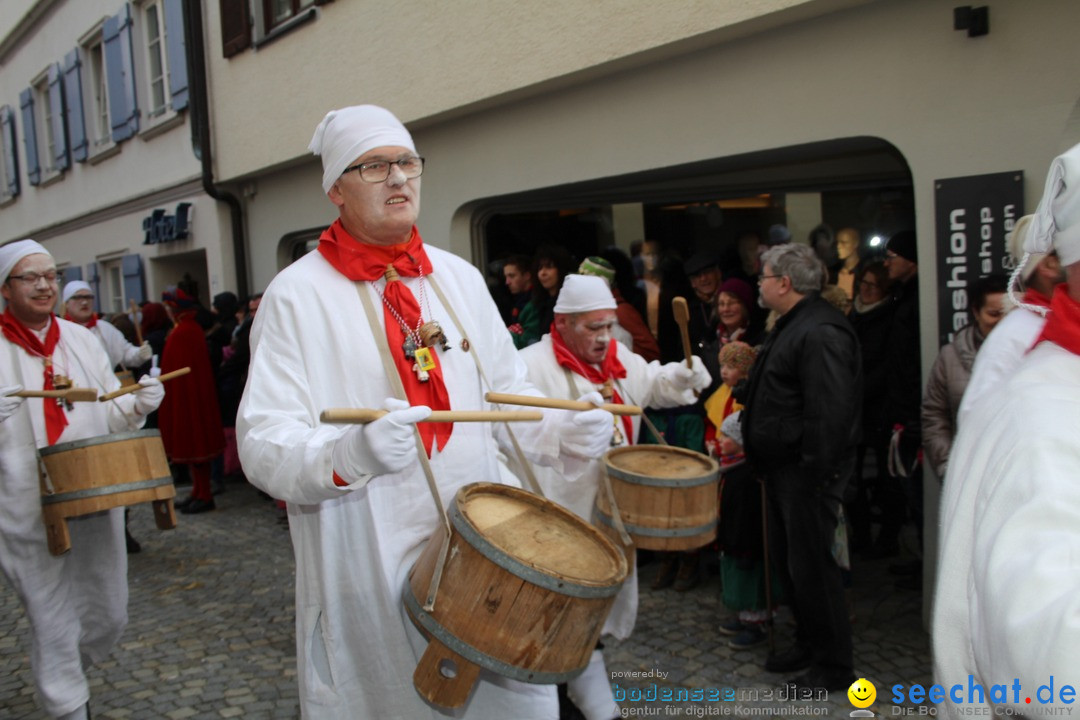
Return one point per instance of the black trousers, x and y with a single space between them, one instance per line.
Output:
802 524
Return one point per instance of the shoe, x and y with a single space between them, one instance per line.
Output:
734 626
198 506
665 574
181 504
909 568
820 679
689 574
794 659
748 638
133 545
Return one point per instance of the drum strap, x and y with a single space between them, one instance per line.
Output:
616 514
526 466
399 390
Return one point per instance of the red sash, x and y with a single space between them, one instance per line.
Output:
362 261
88 324
16 332
610 368
1063 321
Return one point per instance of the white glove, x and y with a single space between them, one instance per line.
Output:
684 378
587 434
385 446
8 405
145 352
149 395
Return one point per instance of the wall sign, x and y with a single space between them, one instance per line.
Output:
973 215
162 228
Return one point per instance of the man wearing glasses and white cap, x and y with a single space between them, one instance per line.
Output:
375 309
79 308
76 602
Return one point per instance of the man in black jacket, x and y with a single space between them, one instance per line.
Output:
802 426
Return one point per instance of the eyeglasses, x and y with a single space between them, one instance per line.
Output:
377 171
82 298
766 277
33 278
868 283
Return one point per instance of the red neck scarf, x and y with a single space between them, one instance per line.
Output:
1034 297
361 261
24 337
88 324
1063 321
610 369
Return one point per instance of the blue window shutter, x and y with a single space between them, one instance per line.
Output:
120 75
61 161
76 123
11 155
131 266
72 274
33 167
94 282
177 54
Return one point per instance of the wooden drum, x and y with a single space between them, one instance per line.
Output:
126 377
667 496
524 593
101 473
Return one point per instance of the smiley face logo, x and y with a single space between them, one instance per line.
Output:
862 693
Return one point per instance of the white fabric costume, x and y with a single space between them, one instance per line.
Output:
999 357
646 385
313 349
119 350
1008 595
76 603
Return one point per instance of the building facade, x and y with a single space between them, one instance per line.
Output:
98 161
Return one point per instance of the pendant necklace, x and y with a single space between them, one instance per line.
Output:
420 339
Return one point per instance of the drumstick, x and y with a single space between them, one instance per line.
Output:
132 388
365 415
135 321
70 394
557 404
682 318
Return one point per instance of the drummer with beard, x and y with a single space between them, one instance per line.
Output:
76 603
578 356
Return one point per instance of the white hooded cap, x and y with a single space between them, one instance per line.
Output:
1056 223
12 253
584 293
75 286
346 134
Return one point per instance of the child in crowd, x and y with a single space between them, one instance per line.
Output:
735 360
742 567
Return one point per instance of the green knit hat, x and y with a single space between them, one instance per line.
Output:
598 266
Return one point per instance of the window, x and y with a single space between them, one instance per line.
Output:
9 163
47 127
277 12
44 130
100 131
113 300
156 61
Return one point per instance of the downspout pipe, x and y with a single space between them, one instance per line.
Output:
199 105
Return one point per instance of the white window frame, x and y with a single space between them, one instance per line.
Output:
112 286
96 112
156 119
44 117
154 48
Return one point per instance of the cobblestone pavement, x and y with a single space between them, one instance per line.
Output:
210 634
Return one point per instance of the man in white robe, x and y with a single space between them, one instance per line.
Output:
76 603
359 506
79 308
584 321
1006 619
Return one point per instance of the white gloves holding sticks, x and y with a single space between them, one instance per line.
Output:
684 378
149 396
385 446
586 434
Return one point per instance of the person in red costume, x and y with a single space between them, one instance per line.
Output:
189 419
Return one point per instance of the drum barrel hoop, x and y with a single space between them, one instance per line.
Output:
529 574
646 531
477 657
99 440
106 490
662 482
